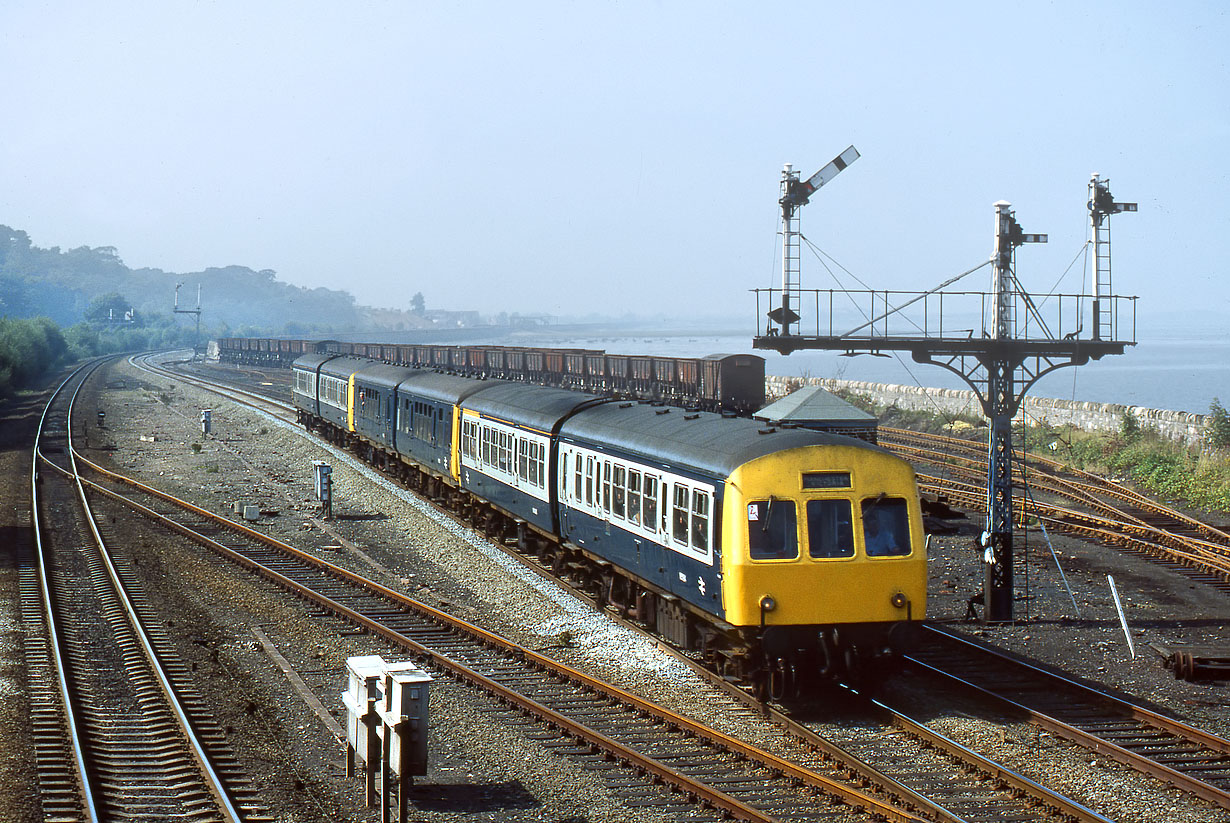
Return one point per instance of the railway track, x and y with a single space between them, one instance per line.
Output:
1102 509
1178 754
579 715
119 732
956 783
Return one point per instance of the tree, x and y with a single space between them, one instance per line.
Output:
417 304
1129 427
1219 425
109 307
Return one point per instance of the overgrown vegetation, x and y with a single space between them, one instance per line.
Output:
1197 476
85 282
33 347
29 349
1219 426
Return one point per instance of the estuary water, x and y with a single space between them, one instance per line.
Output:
1174 370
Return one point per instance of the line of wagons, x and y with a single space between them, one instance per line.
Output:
717 382
780 554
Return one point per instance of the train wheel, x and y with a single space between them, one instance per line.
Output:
777 680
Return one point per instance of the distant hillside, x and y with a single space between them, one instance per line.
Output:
61 284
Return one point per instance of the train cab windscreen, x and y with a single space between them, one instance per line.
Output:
830 528
772 530
886 527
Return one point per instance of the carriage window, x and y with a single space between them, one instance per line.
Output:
700 521
679 519
589 481
538 465
523 459
606 487
634 497
650 506
886 527
772 530
469 439
830 531
618 491
577 472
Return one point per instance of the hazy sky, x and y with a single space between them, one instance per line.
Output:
616 157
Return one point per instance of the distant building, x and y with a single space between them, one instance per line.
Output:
453 319
812 407
529 320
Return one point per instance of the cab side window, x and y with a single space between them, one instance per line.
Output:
772 530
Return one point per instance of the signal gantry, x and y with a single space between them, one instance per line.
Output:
1016 345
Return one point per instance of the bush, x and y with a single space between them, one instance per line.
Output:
1219 426
1129 427
29 348
1162 467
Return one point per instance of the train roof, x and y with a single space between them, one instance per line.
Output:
383 375
309 362
750 359
344 366
708 442
536 407
446 388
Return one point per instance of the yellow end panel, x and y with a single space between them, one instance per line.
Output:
350 403
454 457
810 590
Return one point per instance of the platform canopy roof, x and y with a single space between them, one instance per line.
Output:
812 404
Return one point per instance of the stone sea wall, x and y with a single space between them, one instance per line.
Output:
1184 426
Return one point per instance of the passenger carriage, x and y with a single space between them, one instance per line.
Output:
773 551
506 446
774 536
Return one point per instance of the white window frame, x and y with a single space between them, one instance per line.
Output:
665 481
500 441
305 383
333 391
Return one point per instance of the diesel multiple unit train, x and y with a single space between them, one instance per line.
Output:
779 555
733 382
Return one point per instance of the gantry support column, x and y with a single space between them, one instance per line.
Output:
1000 407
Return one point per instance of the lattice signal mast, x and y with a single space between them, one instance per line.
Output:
1016 346
196 341
1101 206
796 193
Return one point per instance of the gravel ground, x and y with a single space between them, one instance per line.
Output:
18 797
482 767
